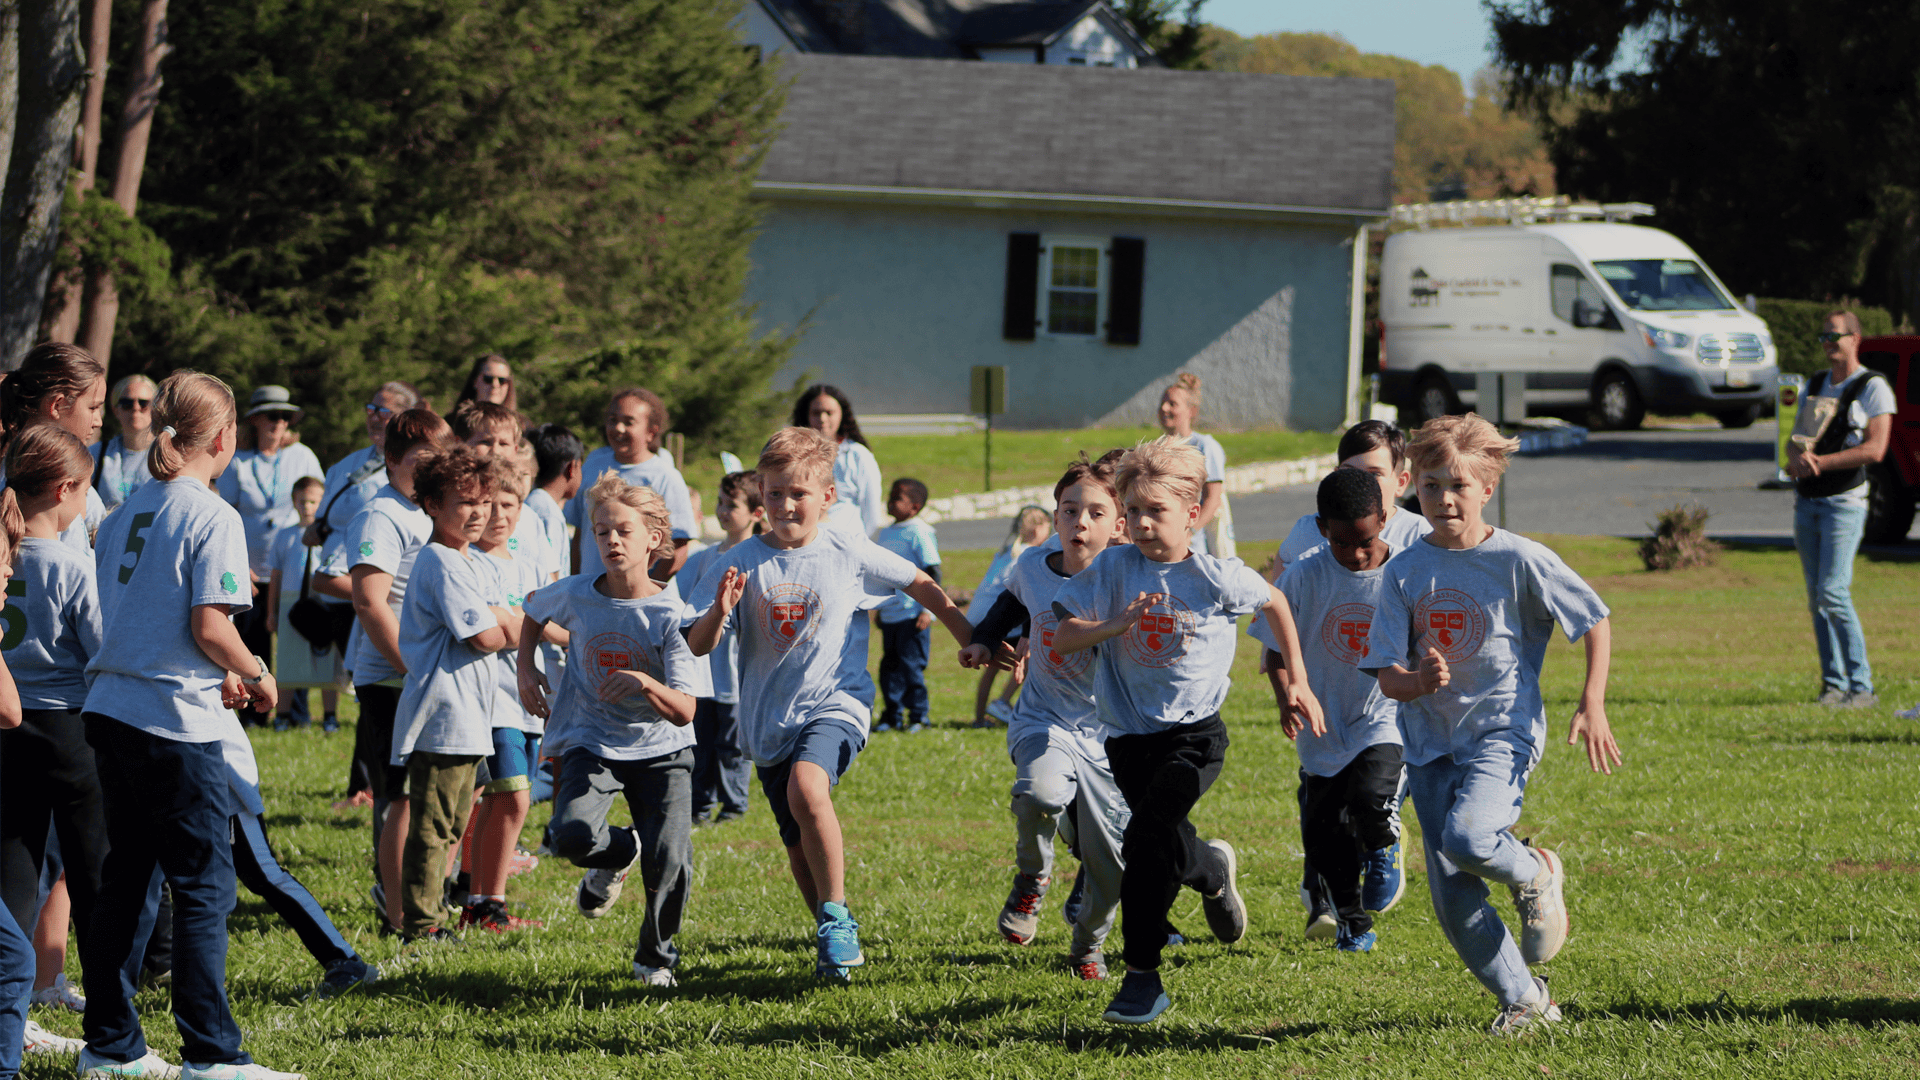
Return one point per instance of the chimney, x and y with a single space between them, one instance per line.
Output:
846 20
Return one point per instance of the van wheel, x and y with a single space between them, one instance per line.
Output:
1616 402
1738 418
1890 507
1433 398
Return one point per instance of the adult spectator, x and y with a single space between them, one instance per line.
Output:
120 464
62 384
1179 408
859 498
491 380
1830 506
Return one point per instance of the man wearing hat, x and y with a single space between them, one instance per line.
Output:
259 484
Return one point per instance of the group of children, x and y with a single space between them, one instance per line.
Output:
1404 653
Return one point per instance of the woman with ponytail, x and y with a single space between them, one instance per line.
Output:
171 668
61 384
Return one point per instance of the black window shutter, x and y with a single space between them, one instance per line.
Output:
1128 275
1023 286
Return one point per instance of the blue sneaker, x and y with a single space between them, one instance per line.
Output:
1076 899
837 941
1140 1001
1386 879
1355 942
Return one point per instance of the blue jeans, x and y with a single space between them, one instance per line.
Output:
721 769
168 817
16 989
263 875
1467 809
1827 534
903 671
656 790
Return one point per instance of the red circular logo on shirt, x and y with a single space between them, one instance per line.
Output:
1344 632
1450 621
1067 667
1159 639
789 615
611 652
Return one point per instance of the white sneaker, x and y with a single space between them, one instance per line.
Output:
61 995
1000 711
251 1071
654 976
605 885
96 1067
1539 1009
41 1041
1908 714
1542 906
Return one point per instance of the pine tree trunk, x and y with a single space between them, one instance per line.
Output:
136 125
9 80
65 323
52 76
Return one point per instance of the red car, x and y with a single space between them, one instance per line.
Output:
1895 481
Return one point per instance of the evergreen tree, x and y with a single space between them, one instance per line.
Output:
1172 28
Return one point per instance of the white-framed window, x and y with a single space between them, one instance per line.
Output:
1073 285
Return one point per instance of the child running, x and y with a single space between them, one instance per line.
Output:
1350 778
905 635
449 632
172 573
1378 449
1160 688
1062 783
621 721
721 768
793 595
1459 636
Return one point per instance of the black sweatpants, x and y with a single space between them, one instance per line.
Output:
1345 816
48 774
1162 776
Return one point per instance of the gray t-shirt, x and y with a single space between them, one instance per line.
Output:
799 624
657 472
1059 687
173 546
52 624
553 530
1171 667
605 635
724 661
261 488
1489 610
386 535
1333 609
1402 529
344 499
1215 456
447 704
122 471
79 535
508 583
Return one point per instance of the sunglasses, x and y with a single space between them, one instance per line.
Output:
1830 336
496 380
136 403
379 410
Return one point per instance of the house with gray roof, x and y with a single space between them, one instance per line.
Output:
1095 230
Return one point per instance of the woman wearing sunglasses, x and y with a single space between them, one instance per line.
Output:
122 465
491 380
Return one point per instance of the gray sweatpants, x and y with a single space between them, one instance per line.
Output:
659 793
1467 808
1053 772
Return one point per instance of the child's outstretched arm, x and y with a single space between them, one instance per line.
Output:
704 635
1299 701
1590 719
673 705
928 594
533 682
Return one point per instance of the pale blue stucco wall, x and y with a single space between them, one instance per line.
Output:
903 301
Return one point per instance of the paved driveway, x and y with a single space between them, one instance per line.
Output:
1611 486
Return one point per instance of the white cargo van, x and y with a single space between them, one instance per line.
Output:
1614 318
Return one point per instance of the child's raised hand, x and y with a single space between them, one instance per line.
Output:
974 656
533 691
733 585
1434 673
622 685
1590 723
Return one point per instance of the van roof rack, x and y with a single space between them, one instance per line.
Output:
1523 211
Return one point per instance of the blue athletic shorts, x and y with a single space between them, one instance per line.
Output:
514 755
829 742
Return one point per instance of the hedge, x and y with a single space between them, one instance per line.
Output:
1795 325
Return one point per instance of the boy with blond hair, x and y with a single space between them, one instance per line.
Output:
792 596
1169 613
1459 637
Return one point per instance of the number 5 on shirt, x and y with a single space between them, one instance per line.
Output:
135 545
14 619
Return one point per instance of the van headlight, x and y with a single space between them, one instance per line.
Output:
1664 339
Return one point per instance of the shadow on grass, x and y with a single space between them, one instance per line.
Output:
1857 738
1823 1012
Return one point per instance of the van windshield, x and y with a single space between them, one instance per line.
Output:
1662 285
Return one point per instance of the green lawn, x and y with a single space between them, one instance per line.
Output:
951 464
1743 896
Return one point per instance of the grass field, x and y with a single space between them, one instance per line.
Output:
951 464
1743 896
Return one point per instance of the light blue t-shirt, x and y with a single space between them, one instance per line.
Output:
509 582
387 535
914 541
859 498
1059 687
345 497
605 635
261 488
52 624
1216 459
657 472
1400 530
122 471
173 546
724 661
1333 610
553 530
1171 667
799 624
446 705
1490 611
80 535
